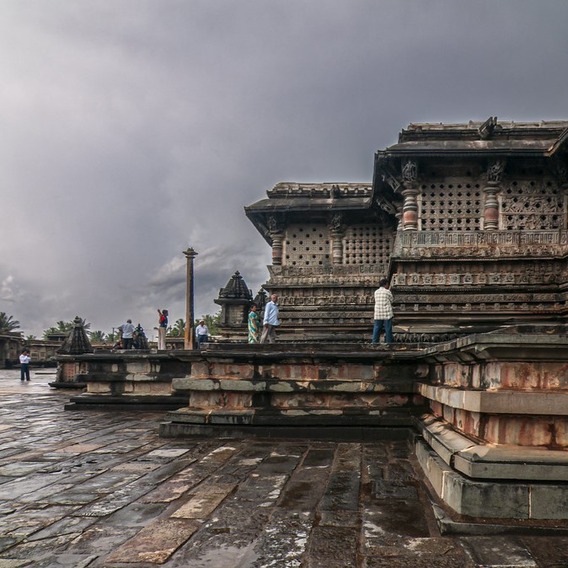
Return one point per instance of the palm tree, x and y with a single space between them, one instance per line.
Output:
64 327
8 323
98 336
178 329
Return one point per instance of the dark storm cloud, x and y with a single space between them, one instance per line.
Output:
134 129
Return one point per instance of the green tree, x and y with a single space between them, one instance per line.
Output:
112 337
212 322
178 329
98 336
31 337
64 327
8 323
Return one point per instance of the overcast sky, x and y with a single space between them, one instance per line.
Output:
132 129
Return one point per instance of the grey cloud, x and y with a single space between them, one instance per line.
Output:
133 129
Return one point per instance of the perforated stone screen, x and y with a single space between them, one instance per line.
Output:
307 245
367 244
532 206
454 205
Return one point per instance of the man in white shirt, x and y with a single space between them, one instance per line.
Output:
270 321
127 334
383 312
25 361
202 333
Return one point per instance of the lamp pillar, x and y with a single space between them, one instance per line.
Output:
189 335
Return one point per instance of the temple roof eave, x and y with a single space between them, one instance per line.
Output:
258 212
299 204
432 143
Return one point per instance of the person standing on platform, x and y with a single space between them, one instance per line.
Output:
253 324
271 321
25 361
162 327
202 333
127 334
383 312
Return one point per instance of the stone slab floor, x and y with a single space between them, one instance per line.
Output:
98 488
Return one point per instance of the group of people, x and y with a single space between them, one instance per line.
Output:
382 318
201 331
257 333
270 322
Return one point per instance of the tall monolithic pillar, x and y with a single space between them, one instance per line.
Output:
189 334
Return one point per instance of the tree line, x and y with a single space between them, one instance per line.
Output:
9 324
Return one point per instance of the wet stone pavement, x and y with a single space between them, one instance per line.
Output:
97 488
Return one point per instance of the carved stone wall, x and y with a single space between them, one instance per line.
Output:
533 205
469 221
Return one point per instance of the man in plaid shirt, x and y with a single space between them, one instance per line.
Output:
383 312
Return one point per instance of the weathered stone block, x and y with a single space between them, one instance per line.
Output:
473 498
549 502
242 385
244 370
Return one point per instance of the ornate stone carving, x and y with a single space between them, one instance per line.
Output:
274 224
487 128
495 171
409 171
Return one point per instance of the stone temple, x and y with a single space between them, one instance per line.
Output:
467 220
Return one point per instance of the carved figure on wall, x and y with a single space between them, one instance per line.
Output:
495 171
410 171
274 224
336 223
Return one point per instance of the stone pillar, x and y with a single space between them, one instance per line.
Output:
560 169
336 230
277 236
410 193
189 335
491 210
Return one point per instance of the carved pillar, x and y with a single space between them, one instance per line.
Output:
410 193
277 236
491 210
336 230
560 168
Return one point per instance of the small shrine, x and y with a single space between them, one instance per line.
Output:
77 341
235 300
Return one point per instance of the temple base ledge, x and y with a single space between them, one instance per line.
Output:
125 402
489 461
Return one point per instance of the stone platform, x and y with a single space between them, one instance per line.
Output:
489 409
304 389
100 488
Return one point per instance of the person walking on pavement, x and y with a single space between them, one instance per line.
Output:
383 312
270 321
25 361
162 327
127 334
